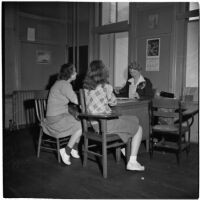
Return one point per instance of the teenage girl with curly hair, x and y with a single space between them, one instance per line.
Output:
99 97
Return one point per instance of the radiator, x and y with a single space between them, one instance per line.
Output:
23 108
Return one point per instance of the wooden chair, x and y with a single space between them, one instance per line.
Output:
101 139
46 140
172 134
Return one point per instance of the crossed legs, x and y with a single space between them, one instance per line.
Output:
71 148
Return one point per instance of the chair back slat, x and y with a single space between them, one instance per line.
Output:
166 103
167 114
166 108
40 98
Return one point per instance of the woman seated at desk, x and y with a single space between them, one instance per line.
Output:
58 119
137 86
99 96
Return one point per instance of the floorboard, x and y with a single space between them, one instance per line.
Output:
26 176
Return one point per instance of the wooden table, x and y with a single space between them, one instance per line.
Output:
140 108
137 108
190 109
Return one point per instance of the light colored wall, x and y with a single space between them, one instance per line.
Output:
10 56
170 30
21 71
21 68
50 21
36 76
162 79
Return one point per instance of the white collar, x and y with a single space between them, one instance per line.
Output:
141 79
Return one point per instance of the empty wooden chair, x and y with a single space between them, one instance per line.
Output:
46 140
167 126
101 139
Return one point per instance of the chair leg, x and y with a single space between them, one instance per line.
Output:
147 145
178 154
128 150
178 157
58 148
187 150
39 142
118 154
85 155
151 148
104 159
188 147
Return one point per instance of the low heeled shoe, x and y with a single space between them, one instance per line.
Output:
74 153
135 166
65 157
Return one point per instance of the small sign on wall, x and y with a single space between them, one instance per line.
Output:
31 34
43 57
153 54
153 21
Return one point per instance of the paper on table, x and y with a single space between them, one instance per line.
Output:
122 98
125 100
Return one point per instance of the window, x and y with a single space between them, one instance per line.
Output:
114 12
114 43
121 59
193 6
114 52
192 53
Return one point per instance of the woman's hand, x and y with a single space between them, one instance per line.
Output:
109 89
116 90
136 95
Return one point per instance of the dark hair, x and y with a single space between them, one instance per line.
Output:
66 71
97 74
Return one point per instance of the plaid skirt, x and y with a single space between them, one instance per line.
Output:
126 126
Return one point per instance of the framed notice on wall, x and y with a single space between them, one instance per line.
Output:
153 21
153 54
43 57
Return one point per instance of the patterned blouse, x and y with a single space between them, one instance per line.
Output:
100 99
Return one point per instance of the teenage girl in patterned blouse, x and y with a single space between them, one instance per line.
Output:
99 96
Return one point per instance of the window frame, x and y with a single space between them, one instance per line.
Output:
116 14
117 27
186 16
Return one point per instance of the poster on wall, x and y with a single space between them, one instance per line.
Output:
153 54
43 57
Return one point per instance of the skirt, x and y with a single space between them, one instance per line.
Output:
126 127
62 125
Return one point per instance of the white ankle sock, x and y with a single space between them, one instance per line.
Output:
133 159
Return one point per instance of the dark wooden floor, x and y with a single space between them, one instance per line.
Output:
25 176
